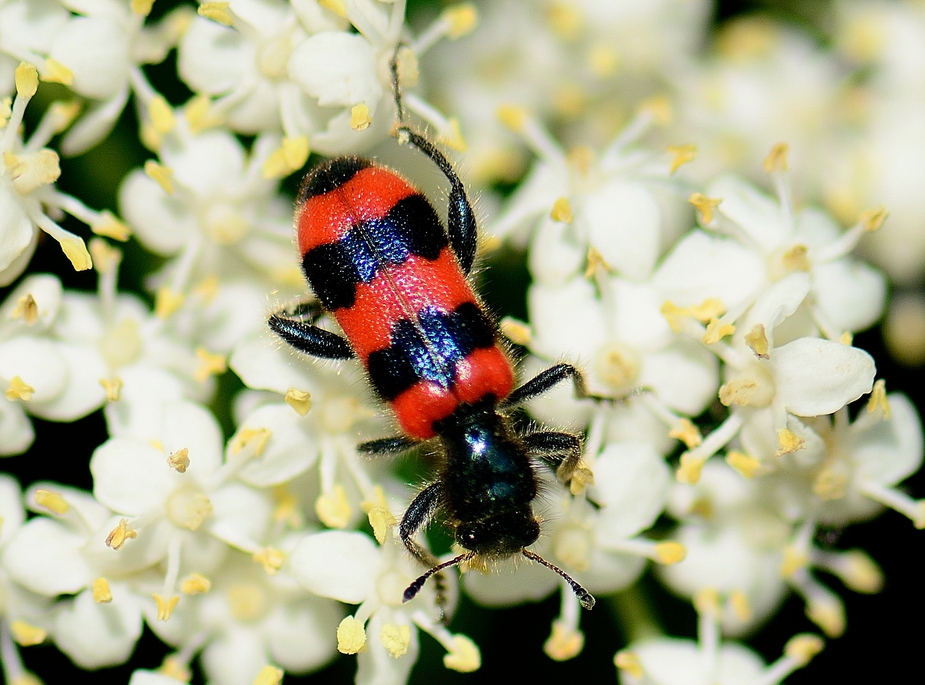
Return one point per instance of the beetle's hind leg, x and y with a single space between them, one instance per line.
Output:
297 327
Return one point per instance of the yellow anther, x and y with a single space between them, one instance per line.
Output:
269 675
794 560
27 634
513 116
179 460
167 301
359 117
199 114
596 264
26 78
300 400
740 606
452 136
873 219
797 259
464 655
336 6
165 607
161 174
217 12
53 501
162 116
101 592
378 513
564 20
803 647
603 60
670 552
682 154
207 289
461 20
745 464
290 156
19 390
878 400
252 438
659 108
704 206
828 614
516 331
788 442
717 330
690 468
105 257
351 636
195 584
174 667
846 338
64 114
579 479
287 509
629 662
142 7
333 509
564 643
271 559
776 159
831 482
562 211
757 341
706 601
860 573
209 364
686 432
26 309
118 535
113 388
395 638
75 250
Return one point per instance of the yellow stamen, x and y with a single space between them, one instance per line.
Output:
516 331
351 636
562 211
461 20
777 158
757 341
803 647
682 155
179 460
53 501
745 464
873 219
165 607
161 174
717 330
118 535
514 117
794 560
271 559
690 468
463 656
670 552
269 675
27 634
195 584
395 639
564 643
26 309
336 6
300 400
113 388
217 12
359 117
101 592
704 206
19 390
167 301
290 156
162 116
26 78
333 509
629 662
142 7
210 364
686 432
789 442
879 400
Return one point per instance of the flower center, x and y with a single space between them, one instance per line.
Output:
617 365
187 508
247 601
338 414
390 586
273 58
784 262
752 387
224 224
121 344
572 546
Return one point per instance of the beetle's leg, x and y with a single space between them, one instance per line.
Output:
298 329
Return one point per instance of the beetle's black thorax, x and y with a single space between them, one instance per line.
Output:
489 481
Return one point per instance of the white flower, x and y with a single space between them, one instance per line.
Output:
27 193
350 567
178 501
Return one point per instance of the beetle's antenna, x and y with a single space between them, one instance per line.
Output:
585 598
412 590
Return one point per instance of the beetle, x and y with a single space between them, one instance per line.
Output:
380 261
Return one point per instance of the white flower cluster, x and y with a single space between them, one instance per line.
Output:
711 308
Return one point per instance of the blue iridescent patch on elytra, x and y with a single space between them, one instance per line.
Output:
429 348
